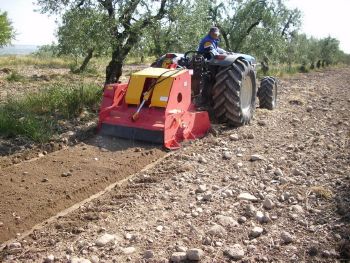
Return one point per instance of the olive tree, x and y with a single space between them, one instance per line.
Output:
7 32
126 21
84 33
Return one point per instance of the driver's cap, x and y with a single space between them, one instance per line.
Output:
214 30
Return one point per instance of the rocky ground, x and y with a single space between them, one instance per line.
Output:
276 190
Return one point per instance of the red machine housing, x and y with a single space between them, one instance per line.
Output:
169 125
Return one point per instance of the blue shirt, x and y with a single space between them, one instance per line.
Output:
209 44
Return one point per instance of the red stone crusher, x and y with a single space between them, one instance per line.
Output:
154 106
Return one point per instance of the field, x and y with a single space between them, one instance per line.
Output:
80 196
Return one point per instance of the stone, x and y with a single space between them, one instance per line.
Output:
128 250
95 259
298 209
178 257
325 254
181 249
79 260
148 254
268 204
313 250
262 122
286 237
226 221
250 210
234 252
201 189
49 259
128 236
207 196
228 193
217 230
215 187
238 165
256 232
105 239
247 197
242 220
234 137
227 155
66 174
194 254
250 136
159 228
284 180
201 159
278 172
15 245
309 108
256 157
260 217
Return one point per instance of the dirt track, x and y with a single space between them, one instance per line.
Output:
36 190
299 180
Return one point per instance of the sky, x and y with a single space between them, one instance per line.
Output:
321 18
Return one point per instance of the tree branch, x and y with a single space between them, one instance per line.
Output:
253 25
286 26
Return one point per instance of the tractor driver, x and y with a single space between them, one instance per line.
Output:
210 42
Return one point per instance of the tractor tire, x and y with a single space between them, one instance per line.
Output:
267 93
234 93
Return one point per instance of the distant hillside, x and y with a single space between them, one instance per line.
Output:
18 50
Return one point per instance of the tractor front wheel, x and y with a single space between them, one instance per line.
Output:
234 93
267 93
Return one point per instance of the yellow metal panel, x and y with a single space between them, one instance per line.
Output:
156 72
161 93
134 91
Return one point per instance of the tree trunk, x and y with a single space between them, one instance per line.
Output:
114 69
227 42
85 62
127 39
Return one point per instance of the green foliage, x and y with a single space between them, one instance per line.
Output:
266 29
180 31
329 50
125 21
47 51
82 30
14 76
7 32
37 115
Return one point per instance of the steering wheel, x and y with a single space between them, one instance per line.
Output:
189 52
207 55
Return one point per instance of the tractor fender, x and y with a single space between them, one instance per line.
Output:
230 59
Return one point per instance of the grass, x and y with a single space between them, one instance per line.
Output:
322 192
280 70
38 115
30 60
14 76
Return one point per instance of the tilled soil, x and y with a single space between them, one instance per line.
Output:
38 189
276 190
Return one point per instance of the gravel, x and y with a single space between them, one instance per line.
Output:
272 193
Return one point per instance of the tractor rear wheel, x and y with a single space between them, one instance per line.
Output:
267 93
234 93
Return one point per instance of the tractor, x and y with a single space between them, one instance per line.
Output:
170 101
